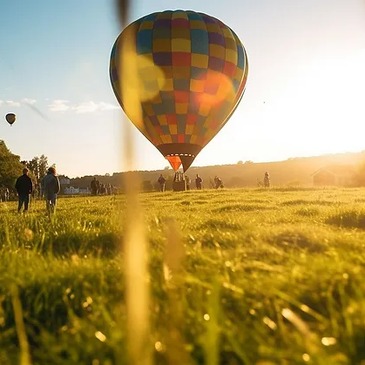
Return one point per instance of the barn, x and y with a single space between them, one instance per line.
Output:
334 175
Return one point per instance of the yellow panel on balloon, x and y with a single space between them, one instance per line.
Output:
213 27
179 14
166 138
181 108
168 85
148 109
193 138
156 99
231 56
181 72
173 128
199 60
146 25
216 50
189 129
204 110
162 45
162 119
197 85
197 24
181 45
226 32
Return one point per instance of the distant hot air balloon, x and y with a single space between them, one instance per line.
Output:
10 118
178 75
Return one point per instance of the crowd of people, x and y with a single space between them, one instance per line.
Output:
181 178
98 188
216 183
50 187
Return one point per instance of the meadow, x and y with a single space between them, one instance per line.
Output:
236 276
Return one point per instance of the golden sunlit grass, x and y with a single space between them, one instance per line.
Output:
235 277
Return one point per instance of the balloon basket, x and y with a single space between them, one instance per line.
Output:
179 185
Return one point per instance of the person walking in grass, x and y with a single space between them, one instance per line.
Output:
50 188
24 188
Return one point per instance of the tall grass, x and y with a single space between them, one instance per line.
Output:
247 276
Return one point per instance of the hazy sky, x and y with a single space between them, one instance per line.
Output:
304 95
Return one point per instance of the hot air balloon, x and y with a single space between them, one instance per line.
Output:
178 75
10 118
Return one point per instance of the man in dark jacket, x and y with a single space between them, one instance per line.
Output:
24 188
50 188
162 181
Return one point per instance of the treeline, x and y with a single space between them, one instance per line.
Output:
291 172
11 167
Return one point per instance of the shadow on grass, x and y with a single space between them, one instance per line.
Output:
240 208
217 223
306 202
103 245
348 219
296 240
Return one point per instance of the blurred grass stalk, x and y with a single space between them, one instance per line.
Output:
135 259
174 255
25 358
136 276
135 243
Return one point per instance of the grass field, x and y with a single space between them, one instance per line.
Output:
254 277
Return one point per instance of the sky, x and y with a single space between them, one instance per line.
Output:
304 94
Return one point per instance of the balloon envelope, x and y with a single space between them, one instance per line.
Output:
178 76
10 118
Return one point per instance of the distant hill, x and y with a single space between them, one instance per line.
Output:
294 171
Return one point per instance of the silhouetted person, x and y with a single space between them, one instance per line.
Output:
50 188
162 182
95 186
24 188
198 182
218 182
266 180
187 182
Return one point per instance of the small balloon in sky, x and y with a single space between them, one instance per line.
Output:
10 118
178 75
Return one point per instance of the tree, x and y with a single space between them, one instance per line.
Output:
10 166
38 166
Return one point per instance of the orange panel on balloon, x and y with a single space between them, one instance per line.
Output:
175 162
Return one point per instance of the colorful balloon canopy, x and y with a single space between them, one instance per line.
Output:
179 76
10 118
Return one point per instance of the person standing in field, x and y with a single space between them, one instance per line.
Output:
162 181
50 188
95 186
6 194
266 180
187 181
218 183
198 182
24 188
